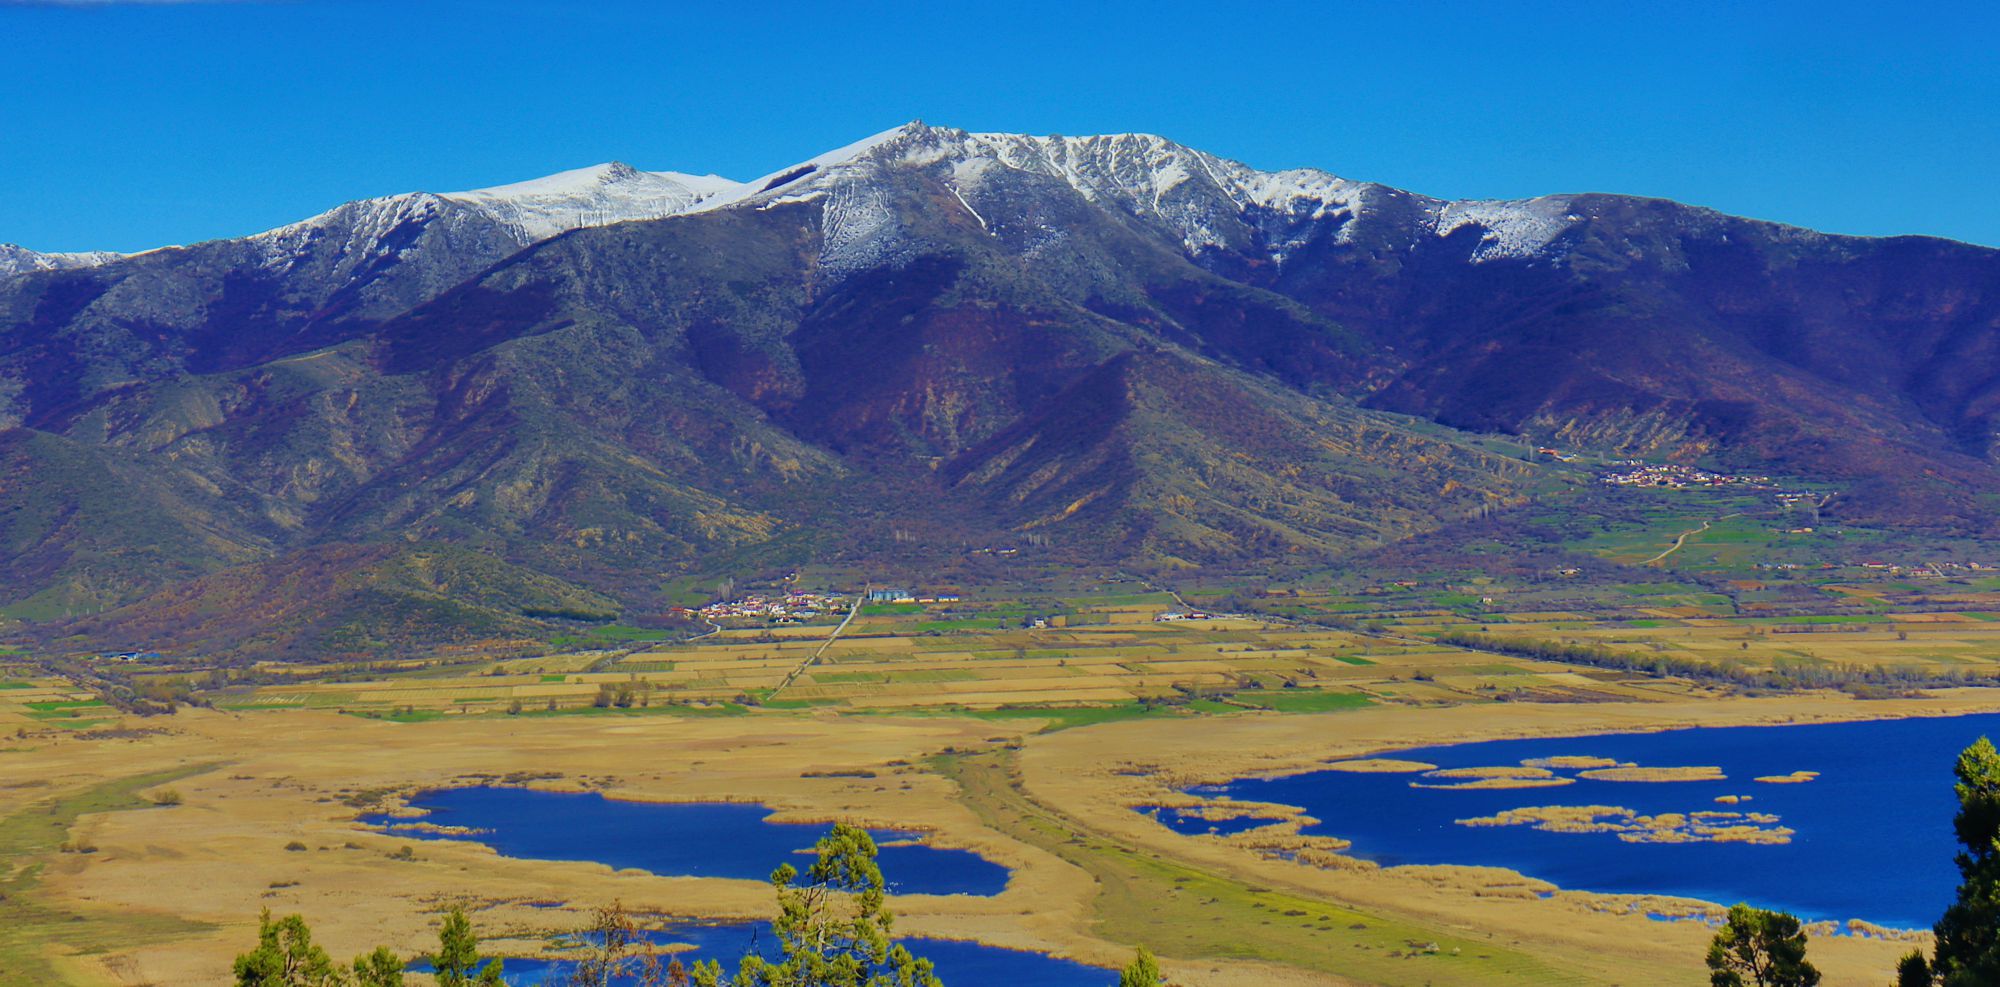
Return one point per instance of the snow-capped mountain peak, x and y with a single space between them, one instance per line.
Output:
1207 202
368 240
524 212
16 259
613 192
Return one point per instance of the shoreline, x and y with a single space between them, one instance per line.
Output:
1926 710
1841 926
1093 777
893 834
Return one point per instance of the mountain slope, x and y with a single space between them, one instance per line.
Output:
1138 353
1187 461
347 602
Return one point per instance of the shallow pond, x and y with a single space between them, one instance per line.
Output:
694 839
1869 836
959 964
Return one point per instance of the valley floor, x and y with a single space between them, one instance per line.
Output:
105 887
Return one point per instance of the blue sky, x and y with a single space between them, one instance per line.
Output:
127 125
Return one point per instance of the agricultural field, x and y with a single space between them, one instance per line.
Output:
1105 653
1964 642
1693 582
32 701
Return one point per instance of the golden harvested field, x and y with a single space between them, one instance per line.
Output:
1940 640
884 663
167 894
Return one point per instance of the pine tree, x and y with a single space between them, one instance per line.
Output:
1913 970
833 930
1761 948
286 957
1968 936
380 968
457 957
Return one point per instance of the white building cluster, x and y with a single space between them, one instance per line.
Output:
790 607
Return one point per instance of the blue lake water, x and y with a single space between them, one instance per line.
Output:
1873 833
693 839
959 964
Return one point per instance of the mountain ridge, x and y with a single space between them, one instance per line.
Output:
1140 354
545 206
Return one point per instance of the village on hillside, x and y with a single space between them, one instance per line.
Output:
1675 476
800 606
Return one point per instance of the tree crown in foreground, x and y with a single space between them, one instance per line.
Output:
1759 948
833 929
1144 971
1968 934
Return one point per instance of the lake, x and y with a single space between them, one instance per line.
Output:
959 964
1870 835
692 839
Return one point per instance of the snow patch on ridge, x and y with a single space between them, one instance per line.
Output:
859 230
1522 229
596 196
805 179
1207 201
16 259
1141 174
355 228
524 212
